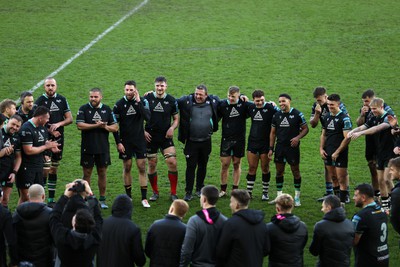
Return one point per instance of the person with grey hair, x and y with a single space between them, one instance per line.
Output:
203 229
121 243
333 235
244 239
31 223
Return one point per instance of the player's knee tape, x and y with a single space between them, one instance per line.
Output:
169 155
149 156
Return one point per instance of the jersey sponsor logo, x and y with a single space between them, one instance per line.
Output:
285 123
40 137
331 125
234 113
131 111
54 107
7 143
96 117
158 108
258 116
58 100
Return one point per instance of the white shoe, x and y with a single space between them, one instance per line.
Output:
103 205
222 193
145 203
297 202
265 197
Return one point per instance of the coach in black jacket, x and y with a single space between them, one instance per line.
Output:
333 235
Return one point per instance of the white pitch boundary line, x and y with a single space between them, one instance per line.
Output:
88 46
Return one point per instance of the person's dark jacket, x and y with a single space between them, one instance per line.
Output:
75 203
395 209
74 248
121 243
7 234
333 239
185 104
31 223
243 240
164 241
288 236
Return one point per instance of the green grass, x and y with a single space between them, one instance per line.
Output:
279 46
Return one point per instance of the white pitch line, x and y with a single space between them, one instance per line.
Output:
88 46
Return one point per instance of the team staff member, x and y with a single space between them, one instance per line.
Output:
159 133
334 145
288 127
27 106
11 161
60 116
34 140
261 114
130 111
370 224
198 121
233 112
96 120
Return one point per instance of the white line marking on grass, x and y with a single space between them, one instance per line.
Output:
88 46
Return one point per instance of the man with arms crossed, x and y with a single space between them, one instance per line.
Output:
130 111
159 133
96 121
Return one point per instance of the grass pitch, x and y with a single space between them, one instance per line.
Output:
279 46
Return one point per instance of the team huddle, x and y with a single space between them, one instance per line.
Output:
31 149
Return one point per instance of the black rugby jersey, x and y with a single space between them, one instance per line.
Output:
7 161
162 110
233 119
36 136
287 125
334 125
261 119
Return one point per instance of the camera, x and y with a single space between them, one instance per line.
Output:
78 187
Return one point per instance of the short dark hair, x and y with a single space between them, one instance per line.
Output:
257 93
17 117
23 95
368 93
395 163
202 87
334 97
365 189
6 103
84 221
160 79
242 196
285 96
332 201
130 82
211 193
318 91
41 110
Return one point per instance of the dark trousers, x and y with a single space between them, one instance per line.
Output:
197 154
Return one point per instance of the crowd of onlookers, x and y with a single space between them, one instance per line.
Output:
71 231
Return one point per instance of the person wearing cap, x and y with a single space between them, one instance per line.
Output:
121 243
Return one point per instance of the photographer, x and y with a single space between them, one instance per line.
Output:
76 246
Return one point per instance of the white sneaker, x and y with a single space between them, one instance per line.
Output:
145 203
222 193
103 205
265 197
297 202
